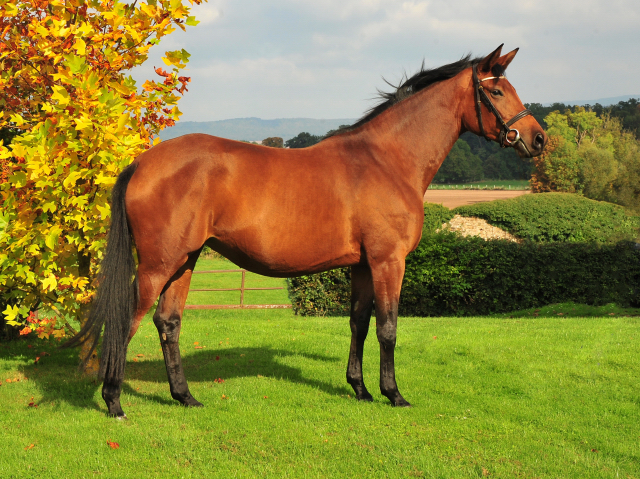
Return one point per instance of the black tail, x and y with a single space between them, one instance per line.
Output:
117 296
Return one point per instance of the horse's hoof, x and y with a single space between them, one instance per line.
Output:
191 402
365 397
122 418
401 403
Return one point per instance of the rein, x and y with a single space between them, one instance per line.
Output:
482 97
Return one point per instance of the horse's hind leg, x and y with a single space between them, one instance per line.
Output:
361 305
168 319
148 291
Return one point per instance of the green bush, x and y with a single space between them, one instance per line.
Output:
452 275
549 217
322 294
435 215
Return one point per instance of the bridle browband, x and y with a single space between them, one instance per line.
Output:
503 136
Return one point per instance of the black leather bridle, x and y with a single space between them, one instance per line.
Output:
503 136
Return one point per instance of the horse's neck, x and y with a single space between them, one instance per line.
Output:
418 133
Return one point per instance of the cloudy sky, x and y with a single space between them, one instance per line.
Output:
326 58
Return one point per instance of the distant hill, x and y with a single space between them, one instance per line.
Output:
614 100
255 129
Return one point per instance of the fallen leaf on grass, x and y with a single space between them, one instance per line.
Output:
219 380
485 472
140 355
32 404
217 358
113 445
199 347
30 446
224 397
265 397
196 343
594 450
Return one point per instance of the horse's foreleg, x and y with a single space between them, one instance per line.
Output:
168 319
361 305
387 282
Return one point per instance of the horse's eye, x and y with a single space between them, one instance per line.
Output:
496 93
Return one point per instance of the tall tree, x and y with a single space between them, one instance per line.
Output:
64 84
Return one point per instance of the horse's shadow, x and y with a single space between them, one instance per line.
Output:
58 380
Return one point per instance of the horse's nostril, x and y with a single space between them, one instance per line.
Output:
539 141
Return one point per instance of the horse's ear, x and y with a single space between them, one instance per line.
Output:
490 60
504 60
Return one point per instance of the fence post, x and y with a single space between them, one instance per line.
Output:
242 290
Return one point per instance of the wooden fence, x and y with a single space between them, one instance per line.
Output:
242 289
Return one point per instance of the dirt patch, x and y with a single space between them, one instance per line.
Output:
478 227
453 198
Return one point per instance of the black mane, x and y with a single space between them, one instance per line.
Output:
410 86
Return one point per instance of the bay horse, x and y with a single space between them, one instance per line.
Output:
354 199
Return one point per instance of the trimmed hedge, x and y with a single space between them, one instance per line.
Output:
435 215
548 217
453 275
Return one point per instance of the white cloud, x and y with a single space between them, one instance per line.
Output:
322 59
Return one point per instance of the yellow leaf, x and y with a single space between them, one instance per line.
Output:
80 46
82 123
52 238
10 313
17 119
50 282
60 94
156 140
70 181
105 211
58 333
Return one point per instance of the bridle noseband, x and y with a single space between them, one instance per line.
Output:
482 97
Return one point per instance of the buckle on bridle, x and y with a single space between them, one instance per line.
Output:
507 140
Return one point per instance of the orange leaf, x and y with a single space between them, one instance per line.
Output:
113 445
30 446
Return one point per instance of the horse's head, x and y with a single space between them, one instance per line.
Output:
497 112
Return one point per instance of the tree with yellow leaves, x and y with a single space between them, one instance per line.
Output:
65 86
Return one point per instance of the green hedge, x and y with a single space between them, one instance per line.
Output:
435 215
453 275
548 217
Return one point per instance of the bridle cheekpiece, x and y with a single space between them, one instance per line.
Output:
503 136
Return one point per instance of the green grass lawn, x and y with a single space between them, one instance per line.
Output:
485 184
492 397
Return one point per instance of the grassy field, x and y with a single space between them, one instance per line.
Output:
485 184
492 397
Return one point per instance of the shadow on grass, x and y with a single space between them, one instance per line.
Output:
58 380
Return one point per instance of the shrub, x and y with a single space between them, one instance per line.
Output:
452 275
553 217
321 294
435 215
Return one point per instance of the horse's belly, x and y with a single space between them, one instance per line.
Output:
286 255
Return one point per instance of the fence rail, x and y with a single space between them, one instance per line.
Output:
242 289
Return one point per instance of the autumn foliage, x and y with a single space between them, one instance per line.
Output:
65 84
